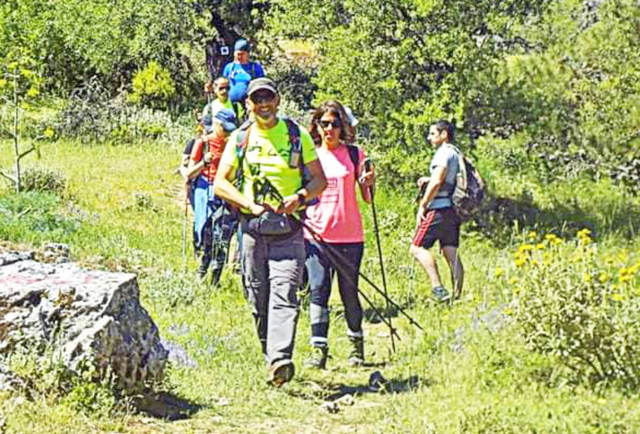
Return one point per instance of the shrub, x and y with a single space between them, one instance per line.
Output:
43 180
580 308
153 86
36 215
92 115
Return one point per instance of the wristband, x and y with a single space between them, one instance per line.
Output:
301 198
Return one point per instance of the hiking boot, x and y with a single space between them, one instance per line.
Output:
201 273
356 356
281 372
215 276
440 294
318 357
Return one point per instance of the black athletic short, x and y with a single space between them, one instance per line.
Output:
442 225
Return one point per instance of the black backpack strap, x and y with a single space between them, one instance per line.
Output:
295 144
353 155
241 149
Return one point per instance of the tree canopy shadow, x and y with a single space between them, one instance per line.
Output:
329 391
498 215
164 405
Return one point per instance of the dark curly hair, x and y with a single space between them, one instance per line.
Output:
347 132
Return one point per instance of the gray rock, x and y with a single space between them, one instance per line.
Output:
86 316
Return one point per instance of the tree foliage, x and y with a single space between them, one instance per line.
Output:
74 40
402 63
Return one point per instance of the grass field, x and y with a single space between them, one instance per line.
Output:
469 370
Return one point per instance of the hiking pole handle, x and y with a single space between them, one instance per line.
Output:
367 165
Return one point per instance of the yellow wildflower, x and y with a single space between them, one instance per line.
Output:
540 246
27 72
49 132
499 271
617 297
508 311
532 235
512 281
525 248
33 92
519 262
586 232
586 277
603 277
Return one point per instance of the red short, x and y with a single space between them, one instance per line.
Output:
442 225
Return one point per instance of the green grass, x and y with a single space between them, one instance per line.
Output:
467 372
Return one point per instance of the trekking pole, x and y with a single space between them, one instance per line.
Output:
184 233
340 258
411 275
367 167
392 331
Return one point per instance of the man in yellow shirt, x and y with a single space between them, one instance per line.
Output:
270 160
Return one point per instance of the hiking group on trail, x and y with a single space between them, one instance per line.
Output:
291 195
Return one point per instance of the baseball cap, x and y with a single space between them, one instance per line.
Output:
207 123
262 83
242 45
228 119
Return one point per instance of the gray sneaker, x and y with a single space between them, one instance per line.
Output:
440 294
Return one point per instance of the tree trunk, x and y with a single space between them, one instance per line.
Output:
227 36
16 138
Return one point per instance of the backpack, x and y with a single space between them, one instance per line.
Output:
469 188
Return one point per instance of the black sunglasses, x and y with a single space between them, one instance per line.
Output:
262 97
335 123
223 88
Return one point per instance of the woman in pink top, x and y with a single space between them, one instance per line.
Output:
334 238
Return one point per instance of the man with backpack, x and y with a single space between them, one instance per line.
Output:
437 219
240 72
274 166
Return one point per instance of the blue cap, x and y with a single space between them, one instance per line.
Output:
242 45
207 123
228 119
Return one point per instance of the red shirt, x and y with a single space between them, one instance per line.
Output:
216 146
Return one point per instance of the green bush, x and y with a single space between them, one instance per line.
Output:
153 86
580 308
43 180
36 216
92 115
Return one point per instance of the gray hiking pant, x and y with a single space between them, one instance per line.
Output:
272 270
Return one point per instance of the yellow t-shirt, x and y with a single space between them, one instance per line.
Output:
217 105
267 157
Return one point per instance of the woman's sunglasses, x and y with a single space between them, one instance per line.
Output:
335 123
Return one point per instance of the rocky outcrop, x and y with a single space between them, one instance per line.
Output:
84 316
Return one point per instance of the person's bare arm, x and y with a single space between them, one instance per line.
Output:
435 182
314 188
224 189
